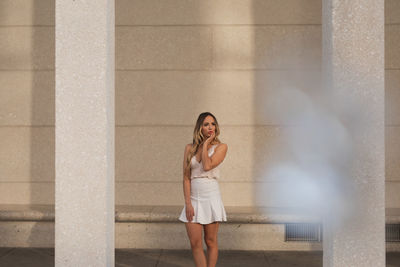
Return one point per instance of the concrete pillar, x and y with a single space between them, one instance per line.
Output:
353 62
84 234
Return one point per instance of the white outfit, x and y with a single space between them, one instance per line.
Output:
204 193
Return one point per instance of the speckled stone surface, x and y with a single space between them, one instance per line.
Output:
84 206
353 57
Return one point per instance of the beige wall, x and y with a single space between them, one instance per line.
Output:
392 102
174 60
27 104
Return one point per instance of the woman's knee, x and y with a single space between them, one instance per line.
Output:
195 243
211 241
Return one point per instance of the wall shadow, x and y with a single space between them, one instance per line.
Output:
42 128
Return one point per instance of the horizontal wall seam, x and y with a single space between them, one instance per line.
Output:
215 25
164 182
27 70
182 125
27 126
139 182
219 69
27 182
233 24
189 70
32 70
189 25
222 125
169 70
221 182
27 26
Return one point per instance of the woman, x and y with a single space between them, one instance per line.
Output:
203 207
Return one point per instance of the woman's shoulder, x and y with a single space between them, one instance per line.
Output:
188 146
221 145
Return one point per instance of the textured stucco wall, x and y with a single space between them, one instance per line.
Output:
177 59
27 101
392 102
174 59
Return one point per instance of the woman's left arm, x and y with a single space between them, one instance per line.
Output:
216 158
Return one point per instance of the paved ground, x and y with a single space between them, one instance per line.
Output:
44 257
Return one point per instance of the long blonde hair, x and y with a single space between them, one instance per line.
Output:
198 137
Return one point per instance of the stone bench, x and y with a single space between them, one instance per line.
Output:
129 213
158 227
392 215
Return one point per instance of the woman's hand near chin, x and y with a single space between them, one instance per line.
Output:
210 138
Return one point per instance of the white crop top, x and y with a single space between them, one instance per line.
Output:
197 170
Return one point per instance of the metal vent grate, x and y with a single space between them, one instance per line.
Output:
303 232
392 232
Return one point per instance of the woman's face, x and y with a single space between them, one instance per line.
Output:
208 126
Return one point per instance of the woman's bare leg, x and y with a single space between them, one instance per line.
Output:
210 237
194 231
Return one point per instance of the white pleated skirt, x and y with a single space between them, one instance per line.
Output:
206 201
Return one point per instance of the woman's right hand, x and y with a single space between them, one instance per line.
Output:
189 213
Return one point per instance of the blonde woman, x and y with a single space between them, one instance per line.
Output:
203 207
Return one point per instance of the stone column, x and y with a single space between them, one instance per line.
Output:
84 206
353 63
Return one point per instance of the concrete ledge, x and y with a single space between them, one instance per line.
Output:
158 227
16 212
127 213
234 214
392 215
